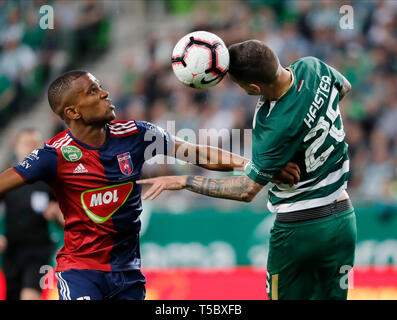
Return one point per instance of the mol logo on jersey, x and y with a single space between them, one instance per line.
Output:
100 204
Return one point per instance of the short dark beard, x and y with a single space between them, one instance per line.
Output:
99 122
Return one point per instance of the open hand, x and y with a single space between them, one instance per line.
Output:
162 183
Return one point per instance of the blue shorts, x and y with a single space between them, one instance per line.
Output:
75 284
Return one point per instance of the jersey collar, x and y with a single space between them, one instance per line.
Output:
92 147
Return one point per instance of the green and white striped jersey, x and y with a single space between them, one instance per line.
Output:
304 126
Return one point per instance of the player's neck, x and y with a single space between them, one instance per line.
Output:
284 83
89 135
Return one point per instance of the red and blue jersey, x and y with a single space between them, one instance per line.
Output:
96 191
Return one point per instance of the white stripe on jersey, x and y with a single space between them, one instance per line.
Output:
121 123
56 143
123 128
122 132
65 143
116 125
307 204
331 178
132 125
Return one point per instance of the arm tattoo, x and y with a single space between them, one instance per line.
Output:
235 188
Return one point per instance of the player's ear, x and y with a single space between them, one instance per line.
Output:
71 113
256 88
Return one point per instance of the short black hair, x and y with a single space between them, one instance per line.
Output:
59 86
253 61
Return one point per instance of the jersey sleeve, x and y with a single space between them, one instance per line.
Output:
337 77
273 147
318 65
156 140
339 80
40 164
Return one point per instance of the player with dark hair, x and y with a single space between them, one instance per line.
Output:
263 66
296 119
92 167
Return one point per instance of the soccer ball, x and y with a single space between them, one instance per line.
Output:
200 59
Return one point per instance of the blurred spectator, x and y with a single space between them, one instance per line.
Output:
88 27
26 243
379 171
388 119
8 97
17 60
30 55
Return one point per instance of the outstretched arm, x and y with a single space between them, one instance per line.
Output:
239 188
9 180
212 158
208 157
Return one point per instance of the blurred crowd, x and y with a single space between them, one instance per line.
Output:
34 47
147 89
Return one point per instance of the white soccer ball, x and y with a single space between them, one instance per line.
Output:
200 59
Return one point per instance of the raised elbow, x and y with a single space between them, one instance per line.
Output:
348 86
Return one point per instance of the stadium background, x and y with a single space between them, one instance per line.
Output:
195 247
